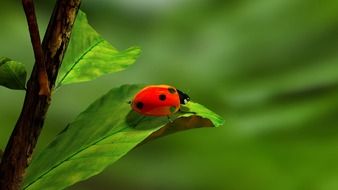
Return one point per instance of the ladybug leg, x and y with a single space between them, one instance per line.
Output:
138 121
183 111
169 119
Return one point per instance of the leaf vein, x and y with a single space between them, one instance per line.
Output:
70 157
78 60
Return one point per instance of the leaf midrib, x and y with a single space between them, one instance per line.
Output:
71 156
78 60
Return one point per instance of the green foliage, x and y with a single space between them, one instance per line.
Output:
90 56
106 130
269 67
12 74
102 134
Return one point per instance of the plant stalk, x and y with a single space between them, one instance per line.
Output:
28 6
19 149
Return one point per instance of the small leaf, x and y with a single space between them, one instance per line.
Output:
89 56
12 74
102 134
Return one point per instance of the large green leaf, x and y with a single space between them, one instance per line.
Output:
89 56
102 134
12 74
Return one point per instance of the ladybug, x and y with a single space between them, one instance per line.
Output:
158 100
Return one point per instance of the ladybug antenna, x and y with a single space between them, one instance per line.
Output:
184 98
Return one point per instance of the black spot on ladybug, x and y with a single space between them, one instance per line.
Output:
139 105
162 97
172 90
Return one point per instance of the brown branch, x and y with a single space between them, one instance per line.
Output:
28 6
23 139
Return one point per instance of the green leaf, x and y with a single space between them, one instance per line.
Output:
89 56
102 134
12 74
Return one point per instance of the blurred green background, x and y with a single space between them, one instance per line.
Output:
269 67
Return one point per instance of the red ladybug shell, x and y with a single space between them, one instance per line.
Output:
156 100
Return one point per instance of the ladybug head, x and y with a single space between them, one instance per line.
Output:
184 98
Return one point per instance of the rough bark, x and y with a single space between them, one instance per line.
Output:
19 149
